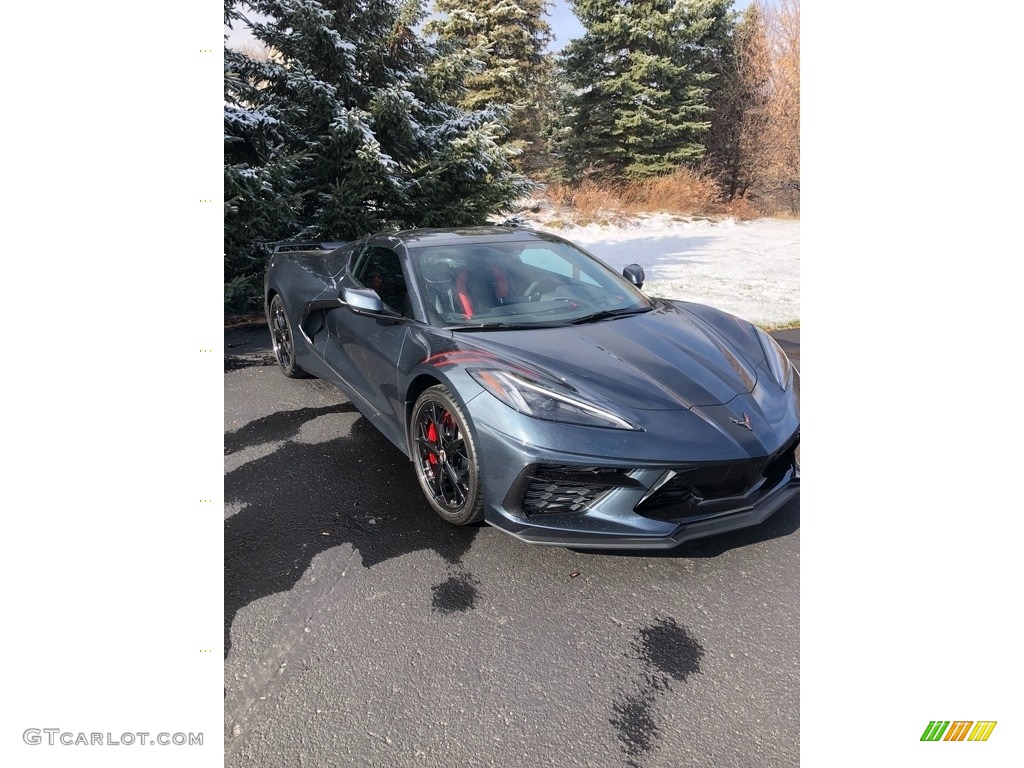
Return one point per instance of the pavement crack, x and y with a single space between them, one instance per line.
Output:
263 680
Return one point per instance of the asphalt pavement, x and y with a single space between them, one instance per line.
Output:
362 630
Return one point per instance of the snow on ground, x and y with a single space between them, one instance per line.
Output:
748 268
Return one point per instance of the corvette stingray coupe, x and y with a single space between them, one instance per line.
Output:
533 387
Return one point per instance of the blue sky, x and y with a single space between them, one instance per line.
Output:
564 23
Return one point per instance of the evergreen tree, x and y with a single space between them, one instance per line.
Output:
643 76
543 158
258 192
502 45
507 38
342 132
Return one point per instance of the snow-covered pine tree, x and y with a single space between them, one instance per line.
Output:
259 197
503 44
507 37
543 159
359 129
642 76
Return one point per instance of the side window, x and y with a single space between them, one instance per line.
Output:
543 258
379 269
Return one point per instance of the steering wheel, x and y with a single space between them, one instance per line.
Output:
533 291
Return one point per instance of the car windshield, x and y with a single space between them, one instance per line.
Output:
534 283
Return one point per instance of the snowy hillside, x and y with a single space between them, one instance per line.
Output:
749 268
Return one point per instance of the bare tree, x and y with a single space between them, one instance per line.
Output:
779 146
741 107
754 144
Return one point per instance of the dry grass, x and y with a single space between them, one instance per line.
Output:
789 326
685 192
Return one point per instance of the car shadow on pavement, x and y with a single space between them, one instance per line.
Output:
306 498
283 425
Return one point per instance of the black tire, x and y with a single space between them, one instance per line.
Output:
283 340
444 454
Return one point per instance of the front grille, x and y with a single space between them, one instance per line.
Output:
701 486
559 489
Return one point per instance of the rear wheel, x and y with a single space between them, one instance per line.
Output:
444 453
284 341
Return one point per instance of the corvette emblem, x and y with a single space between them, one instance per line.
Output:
744 423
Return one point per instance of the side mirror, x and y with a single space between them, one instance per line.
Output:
635 274
362 301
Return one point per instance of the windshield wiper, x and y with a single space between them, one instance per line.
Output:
500 326
604 314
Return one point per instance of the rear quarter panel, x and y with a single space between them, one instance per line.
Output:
300 277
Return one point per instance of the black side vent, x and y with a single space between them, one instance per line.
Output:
559 489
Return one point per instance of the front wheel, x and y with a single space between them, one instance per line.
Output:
444 453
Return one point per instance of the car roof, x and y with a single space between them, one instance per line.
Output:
420 238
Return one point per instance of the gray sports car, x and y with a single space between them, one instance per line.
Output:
535 388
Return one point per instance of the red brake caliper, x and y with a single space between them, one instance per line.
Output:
448 423
432 437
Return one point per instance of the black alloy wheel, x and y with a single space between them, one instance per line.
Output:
444 453
284 343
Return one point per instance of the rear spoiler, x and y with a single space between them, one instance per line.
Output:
297 245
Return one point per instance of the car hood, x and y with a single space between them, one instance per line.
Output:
658 360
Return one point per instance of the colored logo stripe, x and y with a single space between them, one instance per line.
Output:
959 730
982 730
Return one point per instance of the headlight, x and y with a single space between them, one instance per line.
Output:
778 362
544 402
